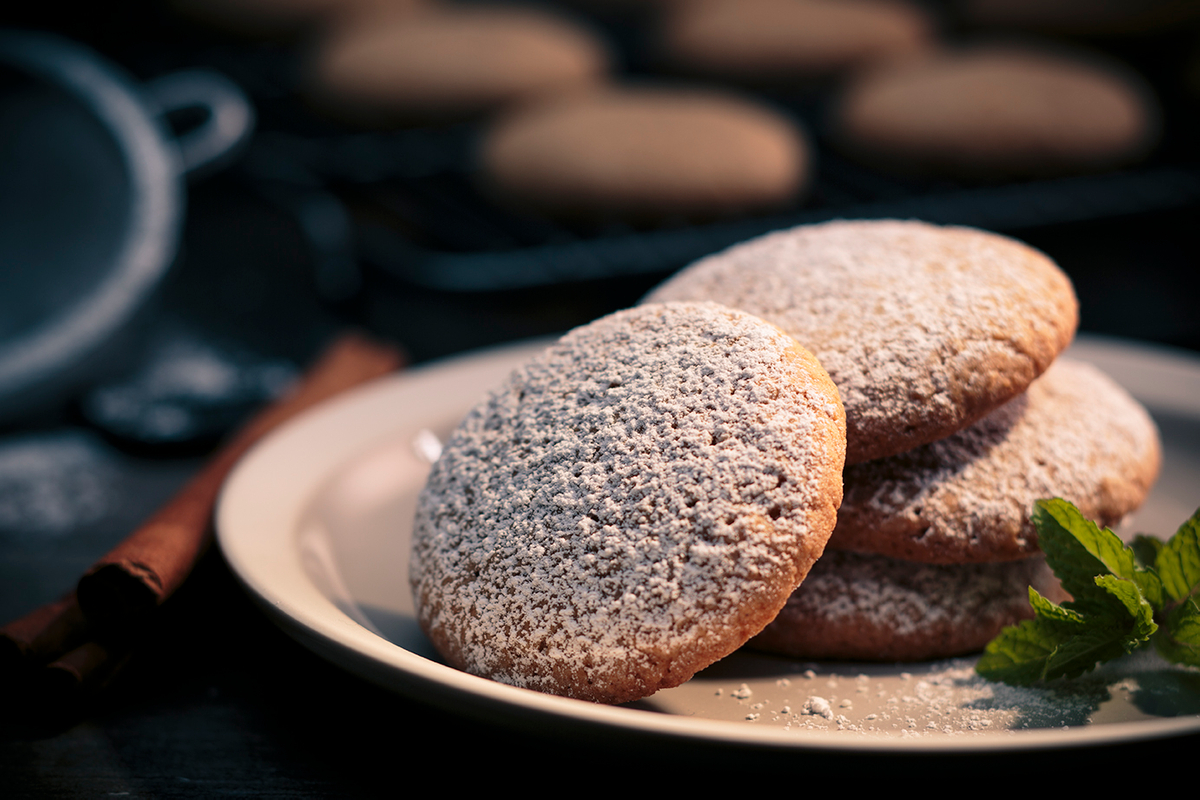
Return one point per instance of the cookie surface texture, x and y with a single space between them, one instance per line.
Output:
924 329
647 152
1074 434
631 505
873 608
998 113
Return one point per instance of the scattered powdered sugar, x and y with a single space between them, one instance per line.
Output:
947 698
51 484
817 707
923 328
1074 434
630 505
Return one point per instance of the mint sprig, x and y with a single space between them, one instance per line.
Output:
1123 597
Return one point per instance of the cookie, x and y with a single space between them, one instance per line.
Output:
646 153
924 329
872 608
773 40
1074 434
996 113
631 505
450 62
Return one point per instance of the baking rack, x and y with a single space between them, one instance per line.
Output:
420 217
407 205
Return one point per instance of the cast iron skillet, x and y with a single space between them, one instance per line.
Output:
91 205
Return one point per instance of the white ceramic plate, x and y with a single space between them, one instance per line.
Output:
316 522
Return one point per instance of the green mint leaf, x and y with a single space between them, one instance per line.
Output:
1018 656
1145 549
1116 595
1145 552
1139 623
1180 641
1045 649
1049 610
1078 546
1178 561
1082 652
1126 623
1078 550
1056 643
1148 582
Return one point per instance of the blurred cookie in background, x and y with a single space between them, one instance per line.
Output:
449 62
647 153
274 19
782 40
997 112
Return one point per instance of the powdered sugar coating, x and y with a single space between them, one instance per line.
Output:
1074 434
872 608
631 505
924 329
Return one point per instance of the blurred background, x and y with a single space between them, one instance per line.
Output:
196 194
354 199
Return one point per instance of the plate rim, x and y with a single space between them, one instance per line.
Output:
244 527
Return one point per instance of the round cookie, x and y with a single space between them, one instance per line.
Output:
647 153
1074 434
924 329
771 40
630 506
871 608
450 62
996 113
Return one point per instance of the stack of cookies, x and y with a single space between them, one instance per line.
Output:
943 344
646 496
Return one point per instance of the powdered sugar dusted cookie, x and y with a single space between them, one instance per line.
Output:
924 329
630 506
872 608
1075 434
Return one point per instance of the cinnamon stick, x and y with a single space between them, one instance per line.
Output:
123 588
79 672
41 635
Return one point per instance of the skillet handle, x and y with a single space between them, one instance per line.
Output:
229 123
